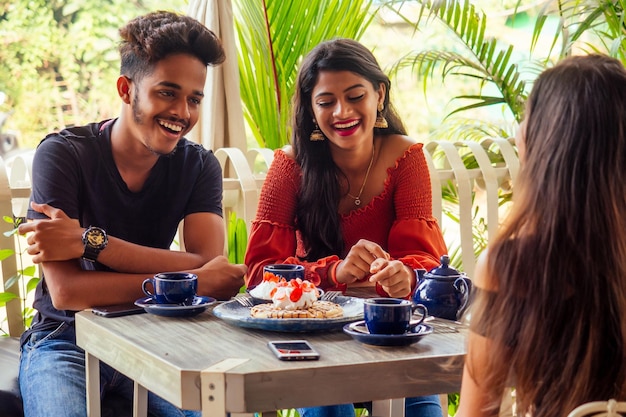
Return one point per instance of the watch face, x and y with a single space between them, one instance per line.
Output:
95 237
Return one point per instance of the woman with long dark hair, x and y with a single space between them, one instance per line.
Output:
549 315
351 198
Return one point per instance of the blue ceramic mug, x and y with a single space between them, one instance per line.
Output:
287 271
391 315
172 287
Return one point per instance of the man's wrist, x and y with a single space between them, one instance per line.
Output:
94 239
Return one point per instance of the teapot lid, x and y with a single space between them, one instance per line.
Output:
444 269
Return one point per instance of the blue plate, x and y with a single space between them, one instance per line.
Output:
234 313
359 332
197 306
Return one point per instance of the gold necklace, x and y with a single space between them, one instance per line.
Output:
357 199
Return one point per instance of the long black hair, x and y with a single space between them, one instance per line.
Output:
317 214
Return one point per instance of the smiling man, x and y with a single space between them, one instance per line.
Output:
106 202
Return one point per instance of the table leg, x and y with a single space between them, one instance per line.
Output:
92 376
213 387
140 401
388 408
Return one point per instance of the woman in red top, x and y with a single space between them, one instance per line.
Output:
352 189
351 199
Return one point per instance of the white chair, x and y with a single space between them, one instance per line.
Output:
610 408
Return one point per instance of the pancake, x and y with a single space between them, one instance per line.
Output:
319 310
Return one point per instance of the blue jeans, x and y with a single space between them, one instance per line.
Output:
427 406
52 379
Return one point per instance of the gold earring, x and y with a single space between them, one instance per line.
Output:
316 134
381 122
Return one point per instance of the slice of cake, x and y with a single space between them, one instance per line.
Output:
296 298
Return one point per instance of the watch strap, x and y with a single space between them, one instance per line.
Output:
91 254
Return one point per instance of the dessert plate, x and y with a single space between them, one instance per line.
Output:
359 332
197 306
237 314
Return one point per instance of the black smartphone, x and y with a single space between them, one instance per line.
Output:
118 310
293 350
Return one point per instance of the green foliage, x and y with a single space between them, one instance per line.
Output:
237 239
26 275
47 42
591 25
273 37
586 25
453 403
484 59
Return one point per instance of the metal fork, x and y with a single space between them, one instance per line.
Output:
244 299
330 295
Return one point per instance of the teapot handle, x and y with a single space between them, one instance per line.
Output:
464 286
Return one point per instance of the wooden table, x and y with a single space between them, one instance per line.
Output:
204 363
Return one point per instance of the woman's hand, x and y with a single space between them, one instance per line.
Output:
356 265
394 277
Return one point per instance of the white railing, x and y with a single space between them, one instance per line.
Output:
478 190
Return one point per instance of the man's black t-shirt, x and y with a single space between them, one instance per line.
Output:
74 170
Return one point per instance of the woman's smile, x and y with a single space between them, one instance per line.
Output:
347 128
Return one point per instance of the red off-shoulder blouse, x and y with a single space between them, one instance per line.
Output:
399 219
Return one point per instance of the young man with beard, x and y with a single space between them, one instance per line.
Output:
106 202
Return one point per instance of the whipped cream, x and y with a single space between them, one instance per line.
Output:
296 294
265 288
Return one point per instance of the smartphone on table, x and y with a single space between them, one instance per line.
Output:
293 350
117 310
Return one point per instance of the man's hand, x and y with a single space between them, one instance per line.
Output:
57 238
220 279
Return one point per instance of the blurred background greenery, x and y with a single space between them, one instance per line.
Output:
59 62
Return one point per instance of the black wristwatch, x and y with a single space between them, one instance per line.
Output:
95 239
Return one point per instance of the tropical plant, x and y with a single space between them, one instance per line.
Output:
483 58
273 37
591 25
26 276
583 26
237 241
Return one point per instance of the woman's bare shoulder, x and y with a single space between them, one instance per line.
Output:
396 141
394 146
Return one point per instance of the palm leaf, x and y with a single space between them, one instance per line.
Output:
485 60
603 19
273 37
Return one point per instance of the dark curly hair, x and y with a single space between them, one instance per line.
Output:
150 38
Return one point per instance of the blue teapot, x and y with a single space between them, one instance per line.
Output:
443 290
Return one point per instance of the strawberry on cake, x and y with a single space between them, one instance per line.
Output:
296 298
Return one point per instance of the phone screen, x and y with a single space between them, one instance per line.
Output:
118 310
293 350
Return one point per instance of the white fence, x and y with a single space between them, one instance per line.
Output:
478 188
